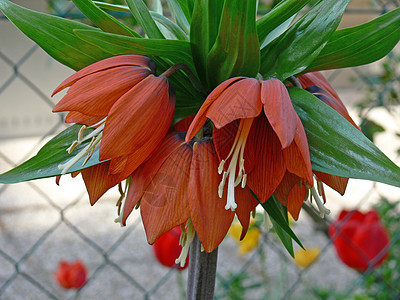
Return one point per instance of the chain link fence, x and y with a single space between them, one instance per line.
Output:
42 224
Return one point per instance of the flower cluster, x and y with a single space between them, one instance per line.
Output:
185 175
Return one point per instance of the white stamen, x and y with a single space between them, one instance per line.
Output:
222 184
237 153
244 181
93 145
189 235
73 146
81 132
221 167
322 209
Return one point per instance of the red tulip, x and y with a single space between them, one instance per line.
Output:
360 239
71 275
167 248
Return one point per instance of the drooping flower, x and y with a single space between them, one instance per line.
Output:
360 239
167 248
130 107
254 147
289 192
178 185
304 258
71 275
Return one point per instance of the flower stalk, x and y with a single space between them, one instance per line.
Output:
202 270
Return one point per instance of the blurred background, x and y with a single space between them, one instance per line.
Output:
42 224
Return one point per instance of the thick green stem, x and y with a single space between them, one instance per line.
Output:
202 270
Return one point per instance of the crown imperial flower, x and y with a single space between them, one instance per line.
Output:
123 99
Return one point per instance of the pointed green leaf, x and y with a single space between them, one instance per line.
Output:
278 15
187 8
359 45
114 7
236 49
283 236
53 153
337 147
279 218
103 20
170 26
55 35
175 50
142 15
178 15
157 7
203 32
295 50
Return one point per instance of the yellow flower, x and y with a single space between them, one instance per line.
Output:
304 258
249 242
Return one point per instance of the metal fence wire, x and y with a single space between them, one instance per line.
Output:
42 224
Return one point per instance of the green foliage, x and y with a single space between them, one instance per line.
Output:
55 35
237 32
294 51
357 156
359 45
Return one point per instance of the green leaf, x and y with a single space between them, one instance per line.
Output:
236 50
170 26
157 7
114 7
277 16
175 50
337 147
178 15
53 153
103 20
142 15
359 45
55 35
203 32
295 50
187 8
279 219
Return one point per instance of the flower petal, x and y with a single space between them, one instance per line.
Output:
317 84
183 125
246 203
297 155
94 98
338 183
112 62
210 219
295 200
316 78
241 100
77 117
98 181
164 203
138 120
270 166
286 185
143 175
201 118
279 110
